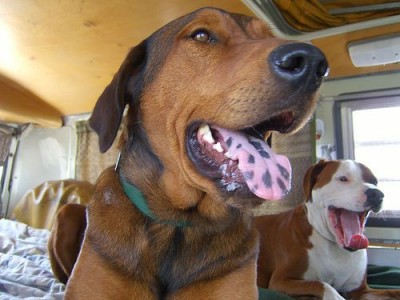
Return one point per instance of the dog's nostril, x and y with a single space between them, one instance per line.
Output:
374 194
374 198
300 64
292 63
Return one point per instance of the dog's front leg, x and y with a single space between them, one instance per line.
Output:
237 285
95 278
294 287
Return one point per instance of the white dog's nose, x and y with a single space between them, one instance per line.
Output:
374 199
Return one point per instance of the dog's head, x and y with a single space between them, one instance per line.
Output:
203 92
339 195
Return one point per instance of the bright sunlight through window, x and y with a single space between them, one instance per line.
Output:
377 145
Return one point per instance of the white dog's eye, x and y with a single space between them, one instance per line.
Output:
343 178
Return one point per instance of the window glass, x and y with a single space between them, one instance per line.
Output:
376 134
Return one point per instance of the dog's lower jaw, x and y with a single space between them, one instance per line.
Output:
244 203
213 213
204 206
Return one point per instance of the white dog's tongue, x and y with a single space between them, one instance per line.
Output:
267 174
354 237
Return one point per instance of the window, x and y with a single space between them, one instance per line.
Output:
368 131
377 143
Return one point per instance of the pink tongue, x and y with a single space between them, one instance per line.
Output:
267 174
353 231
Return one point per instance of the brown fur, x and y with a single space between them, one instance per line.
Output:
314 179
288 230
65 241
170 81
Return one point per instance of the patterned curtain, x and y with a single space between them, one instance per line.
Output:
90 162
311 15
5 142
300 149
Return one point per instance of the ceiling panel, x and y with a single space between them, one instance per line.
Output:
65 52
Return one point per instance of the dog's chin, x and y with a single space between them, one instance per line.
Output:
348 228
218 155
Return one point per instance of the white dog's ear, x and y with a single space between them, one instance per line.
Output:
310 178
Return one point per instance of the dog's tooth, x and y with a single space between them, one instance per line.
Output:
204 129
209 138
218 147
206 134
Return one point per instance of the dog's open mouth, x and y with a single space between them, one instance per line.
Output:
242 160
348 227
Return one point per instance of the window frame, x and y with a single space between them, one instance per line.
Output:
343 108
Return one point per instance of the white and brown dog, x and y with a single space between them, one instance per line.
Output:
318 248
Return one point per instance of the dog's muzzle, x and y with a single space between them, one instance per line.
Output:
374 199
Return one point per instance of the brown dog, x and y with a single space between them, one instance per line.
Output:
174 221
65 240
318 248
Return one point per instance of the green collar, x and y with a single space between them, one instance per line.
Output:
137 198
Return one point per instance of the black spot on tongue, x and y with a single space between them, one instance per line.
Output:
267 174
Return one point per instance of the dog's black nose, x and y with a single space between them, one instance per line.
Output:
374 199
300 64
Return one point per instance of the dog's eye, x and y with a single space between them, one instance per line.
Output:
343 178
202 35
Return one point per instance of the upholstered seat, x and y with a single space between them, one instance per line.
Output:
38 207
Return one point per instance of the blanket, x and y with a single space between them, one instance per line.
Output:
383 277
25 271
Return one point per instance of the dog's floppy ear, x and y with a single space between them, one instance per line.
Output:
108 111
310 178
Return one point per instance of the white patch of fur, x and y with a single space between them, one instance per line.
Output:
337 267
342 269
330 293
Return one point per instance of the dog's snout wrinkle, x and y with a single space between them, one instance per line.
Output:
299 64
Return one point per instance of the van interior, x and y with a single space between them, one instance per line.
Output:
56 58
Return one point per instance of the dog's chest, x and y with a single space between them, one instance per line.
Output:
340 268
183 261
173 260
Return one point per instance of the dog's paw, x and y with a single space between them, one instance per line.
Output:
330 293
